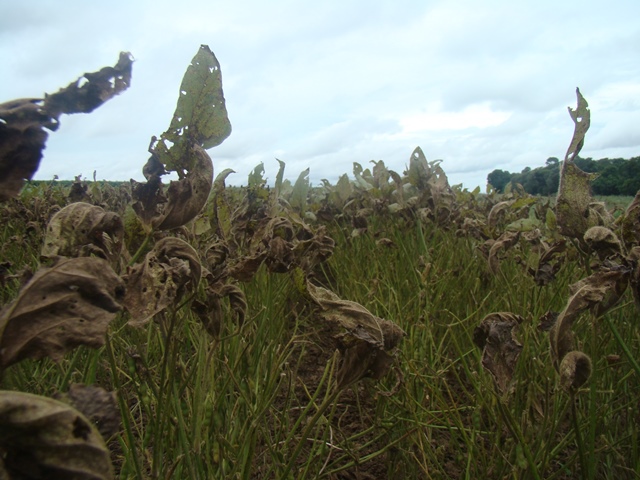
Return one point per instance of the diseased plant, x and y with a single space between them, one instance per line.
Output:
245 330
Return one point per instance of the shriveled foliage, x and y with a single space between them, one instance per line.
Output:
368 343
45 438
168 271
68 304
81 229
500 348
22 134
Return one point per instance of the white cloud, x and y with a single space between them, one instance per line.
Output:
482 85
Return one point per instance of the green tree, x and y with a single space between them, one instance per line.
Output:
499 179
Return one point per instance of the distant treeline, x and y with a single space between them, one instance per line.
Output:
68 183
617 176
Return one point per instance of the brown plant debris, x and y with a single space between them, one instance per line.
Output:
81 229
63 306
45 438
22 121
500 348
95 403
369 342
170 269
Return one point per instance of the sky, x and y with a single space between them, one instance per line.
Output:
479 85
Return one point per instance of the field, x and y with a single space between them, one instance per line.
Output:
257 397
387 326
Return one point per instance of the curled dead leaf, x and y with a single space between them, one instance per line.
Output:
210 311
575 370
187 196
96 404
170 269
504 242
369 343
61 307
630 224
44 438
184 198
599 293
546 270
81 229
22 121
500 348
603 241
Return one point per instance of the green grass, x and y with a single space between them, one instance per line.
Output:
260 402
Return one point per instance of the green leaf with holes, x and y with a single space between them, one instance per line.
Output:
200 116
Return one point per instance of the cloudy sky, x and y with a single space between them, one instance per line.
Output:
323 84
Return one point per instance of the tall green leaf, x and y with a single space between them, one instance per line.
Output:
200 116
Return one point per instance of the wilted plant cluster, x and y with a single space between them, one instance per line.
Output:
152 257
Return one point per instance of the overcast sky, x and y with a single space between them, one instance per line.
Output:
321 84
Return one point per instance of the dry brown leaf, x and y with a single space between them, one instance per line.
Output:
603 241
634 280
97 405
245 269
42 438
184 198
187 196
630 224
80 230
210 310
167 271
599 293
546 271
66 305
500 348
504 242
581 117
575 370
22 121
369 342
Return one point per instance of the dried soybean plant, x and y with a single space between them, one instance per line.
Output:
65 304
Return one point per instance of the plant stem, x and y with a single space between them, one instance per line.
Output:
141 249
328 401
576 428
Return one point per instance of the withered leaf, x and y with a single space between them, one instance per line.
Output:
183 199
168 270
210 314
546 271
611 279
66 305
44 438
575 370
96 404
598 292
237 300
92 89
547 320
245 269
630 224
634 280
369 341
497 211
574 191
504 242
500 348
603 241
210 311
187 196
216 258
581 117
22 121
81 229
